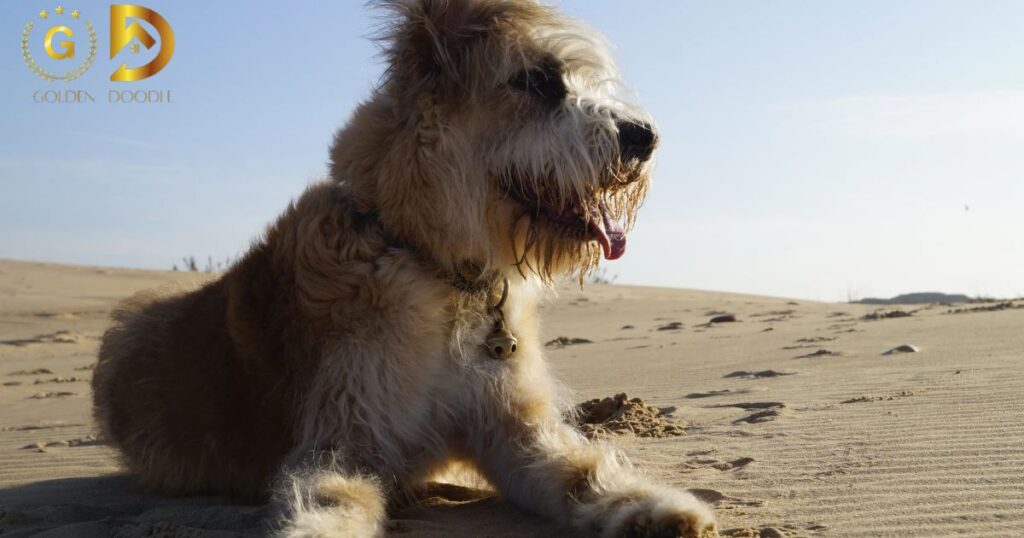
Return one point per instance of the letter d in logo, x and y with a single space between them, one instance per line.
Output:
121 34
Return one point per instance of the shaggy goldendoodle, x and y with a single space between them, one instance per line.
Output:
385 326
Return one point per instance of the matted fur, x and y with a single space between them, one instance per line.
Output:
336 365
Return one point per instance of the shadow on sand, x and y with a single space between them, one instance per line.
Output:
109 506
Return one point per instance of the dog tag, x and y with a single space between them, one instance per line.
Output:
501 344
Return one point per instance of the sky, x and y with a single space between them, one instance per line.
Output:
817 150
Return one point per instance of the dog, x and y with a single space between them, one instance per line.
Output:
384 327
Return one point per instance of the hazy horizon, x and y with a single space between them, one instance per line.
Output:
810 150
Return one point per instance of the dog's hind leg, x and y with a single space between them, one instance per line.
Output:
321 499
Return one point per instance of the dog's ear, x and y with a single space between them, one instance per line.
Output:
429 43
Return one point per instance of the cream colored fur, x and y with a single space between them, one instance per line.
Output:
337 366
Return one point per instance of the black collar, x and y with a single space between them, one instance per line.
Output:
467 277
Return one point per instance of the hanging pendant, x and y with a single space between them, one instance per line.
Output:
501 344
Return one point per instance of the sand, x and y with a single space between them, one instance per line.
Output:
622 415
784 439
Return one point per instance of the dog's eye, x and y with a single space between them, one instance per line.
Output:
544 82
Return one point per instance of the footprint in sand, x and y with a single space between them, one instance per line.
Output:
563 341
809 342
89 440
814 339
780 531
46 395
627 338
711 393
702 460
767 415
59 337
903 348
738 463
752 405
895 396
39 371
721 500
778 315
757 375
820 353
56 315
718 320
61 380
33 427
766 411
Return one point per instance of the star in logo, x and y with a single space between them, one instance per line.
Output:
74 14
59 10
43 14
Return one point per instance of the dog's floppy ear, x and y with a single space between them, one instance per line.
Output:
428 43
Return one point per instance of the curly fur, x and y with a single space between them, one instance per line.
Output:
335 366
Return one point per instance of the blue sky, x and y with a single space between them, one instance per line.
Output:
810 149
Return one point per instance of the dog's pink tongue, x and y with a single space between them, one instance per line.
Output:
611 235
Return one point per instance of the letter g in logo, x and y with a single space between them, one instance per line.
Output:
67 46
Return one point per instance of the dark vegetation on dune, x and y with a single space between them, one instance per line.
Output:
924 297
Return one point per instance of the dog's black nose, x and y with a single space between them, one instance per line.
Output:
636 140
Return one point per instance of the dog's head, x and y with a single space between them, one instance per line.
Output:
499 136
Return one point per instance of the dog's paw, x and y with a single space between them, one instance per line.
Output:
687 525
649 511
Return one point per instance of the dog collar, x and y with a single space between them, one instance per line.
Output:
469 278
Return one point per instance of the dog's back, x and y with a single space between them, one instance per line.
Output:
193 388
201 392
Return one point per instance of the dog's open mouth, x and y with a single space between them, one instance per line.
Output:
585 220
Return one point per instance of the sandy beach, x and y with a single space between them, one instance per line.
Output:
796 421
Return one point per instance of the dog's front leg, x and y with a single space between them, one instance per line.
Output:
321 498
542 464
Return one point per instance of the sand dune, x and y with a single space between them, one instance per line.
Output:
797 423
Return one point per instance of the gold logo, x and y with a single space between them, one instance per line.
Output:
122 33
60 50
125 33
